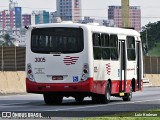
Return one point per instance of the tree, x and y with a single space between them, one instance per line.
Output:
152 31
7 39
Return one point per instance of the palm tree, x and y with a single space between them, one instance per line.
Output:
7 39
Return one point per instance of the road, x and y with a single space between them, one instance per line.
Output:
148 99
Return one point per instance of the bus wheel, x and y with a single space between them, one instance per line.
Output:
128 96
50 99
79 99
106 98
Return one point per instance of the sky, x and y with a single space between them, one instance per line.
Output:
150 9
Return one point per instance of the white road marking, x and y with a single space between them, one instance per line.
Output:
14 104
102 105
73 108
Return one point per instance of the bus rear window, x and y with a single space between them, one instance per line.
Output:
53 40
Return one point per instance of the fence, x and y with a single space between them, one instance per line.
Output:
12 58
151 65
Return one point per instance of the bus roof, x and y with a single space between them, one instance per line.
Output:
92 27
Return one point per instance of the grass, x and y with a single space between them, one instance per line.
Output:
155 51
129 116
123 118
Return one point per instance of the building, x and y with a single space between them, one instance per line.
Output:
7 19
69 10
40 17
26 20
53 18
115 14
93 20
12 22
12 5
11 19
18 17
87 20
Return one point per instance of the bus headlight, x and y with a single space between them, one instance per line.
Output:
29 72
85 72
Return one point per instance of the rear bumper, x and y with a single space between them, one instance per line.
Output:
33 87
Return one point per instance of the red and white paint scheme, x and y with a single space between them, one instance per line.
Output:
81 60
68 60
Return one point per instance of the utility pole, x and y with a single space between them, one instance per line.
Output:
125 13
146 42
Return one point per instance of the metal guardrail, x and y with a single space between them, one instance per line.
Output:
151 65
12 58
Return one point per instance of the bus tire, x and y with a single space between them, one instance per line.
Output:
128 96
50 99
79 99
106 97
95 98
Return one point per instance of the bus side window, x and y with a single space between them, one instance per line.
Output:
105 46
96 46
96 39
131 48
114 46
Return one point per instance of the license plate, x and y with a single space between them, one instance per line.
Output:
57 77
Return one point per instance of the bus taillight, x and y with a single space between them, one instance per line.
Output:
85 72
29 72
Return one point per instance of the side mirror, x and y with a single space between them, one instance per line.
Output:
26 27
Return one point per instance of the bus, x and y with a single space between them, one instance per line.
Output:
83 60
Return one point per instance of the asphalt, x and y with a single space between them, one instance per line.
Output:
147 99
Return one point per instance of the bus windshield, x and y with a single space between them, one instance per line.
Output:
57 40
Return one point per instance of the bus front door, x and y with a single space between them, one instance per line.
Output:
122 48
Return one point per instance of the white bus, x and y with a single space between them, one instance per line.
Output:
80 60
